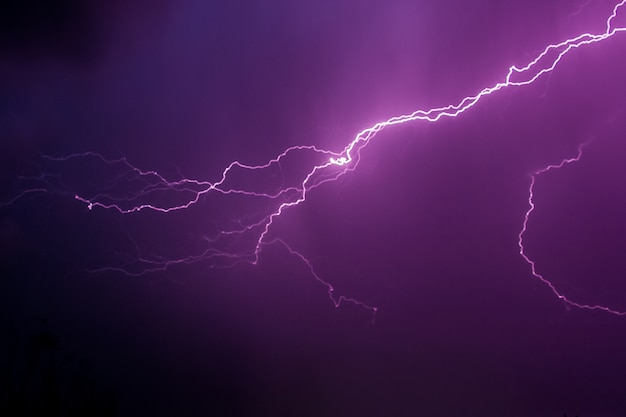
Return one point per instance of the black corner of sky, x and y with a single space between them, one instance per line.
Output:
67 30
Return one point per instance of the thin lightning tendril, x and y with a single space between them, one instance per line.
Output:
522 249
329 167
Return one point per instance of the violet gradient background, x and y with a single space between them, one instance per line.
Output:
425 229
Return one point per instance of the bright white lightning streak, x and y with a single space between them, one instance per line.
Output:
332 165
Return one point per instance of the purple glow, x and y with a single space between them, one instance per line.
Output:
190 189
134 190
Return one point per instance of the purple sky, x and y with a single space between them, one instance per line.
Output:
425 228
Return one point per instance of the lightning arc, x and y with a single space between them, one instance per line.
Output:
143 188
520 241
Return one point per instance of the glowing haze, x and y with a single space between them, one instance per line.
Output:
284 182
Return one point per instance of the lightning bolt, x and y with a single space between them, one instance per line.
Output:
133 190
522 249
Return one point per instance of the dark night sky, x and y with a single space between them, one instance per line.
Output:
425 229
